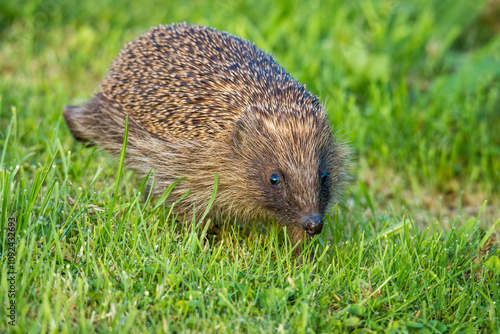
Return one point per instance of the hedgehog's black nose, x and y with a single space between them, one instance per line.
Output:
313 225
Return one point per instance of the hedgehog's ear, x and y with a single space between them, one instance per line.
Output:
239 134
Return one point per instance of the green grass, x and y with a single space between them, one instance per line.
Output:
414 86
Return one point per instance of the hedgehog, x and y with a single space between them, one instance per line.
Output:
199 102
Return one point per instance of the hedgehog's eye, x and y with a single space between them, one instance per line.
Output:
324 176
274 179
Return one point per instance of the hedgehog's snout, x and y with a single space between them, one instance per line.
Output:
313 225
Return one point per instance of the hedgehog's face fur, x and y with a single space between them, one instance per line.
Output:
291 166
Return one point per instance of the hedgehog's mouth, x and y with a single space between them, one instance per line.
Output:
313 225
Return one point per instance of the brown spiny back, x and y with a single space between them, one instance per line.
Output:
192 82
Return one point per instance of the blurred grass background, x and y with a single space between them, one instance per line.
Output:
413 85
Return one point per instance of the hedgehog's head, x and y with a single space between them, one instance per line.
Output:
294 169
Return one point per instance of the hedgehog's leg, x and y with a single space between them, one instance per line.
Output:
299 237
78 123
147 191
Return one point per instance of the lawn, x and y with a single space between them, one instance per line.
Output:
413 86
